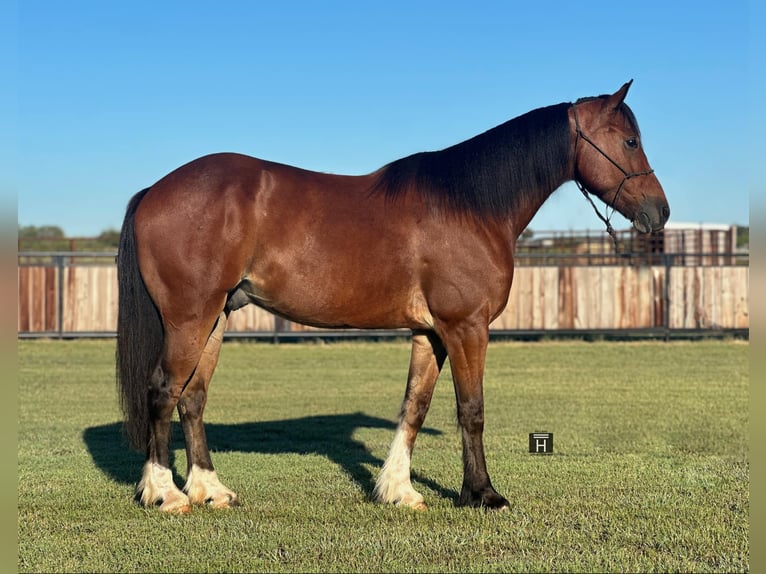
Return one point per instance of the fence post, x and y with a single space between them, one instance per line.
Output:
280 326
59 261
667 259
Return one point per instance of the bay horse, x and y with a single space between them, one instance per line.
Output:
424 243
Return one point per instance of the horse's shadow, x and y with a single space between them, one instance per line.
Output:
331 436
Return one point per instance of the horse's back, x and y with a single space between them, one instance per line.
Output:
318 248
305 243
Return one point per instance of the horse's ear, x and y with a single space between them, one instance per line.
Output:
613 102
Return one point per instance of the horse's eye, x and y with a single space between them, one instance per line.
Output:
632 143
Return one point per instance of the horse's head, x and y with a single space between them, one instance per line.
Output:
609 160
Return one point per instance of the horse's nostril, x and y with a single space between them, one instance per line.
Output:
665 212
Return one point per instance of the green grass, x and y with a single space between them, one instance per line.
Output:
650 471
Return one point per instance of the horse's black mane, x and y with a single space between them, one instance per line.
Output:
492 173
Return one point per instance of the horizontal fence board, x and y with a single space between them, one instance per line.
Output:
547 298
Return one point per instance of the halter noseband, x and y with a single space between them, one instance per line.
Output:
626 175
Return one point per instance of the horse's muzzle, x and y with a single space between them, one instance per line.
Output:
651 216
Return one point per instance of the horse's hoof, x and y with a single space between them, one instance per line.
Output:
420 506
176 508
489 499
496 504
224 502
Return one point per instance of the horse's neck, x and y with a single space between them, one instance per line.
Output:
525 212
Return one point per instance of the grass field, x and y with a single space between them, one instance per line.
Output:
650 471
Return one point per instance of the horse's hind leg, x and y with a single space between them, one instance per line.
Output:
156 485
202 484
394 484
181 353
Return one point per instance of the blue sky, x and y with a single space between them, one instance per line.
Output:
109 96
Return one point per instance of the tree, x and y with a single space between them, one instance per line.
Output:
40 232
743 236
527 234
110 237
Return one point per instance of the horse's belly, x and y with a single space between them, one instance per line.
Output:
323 302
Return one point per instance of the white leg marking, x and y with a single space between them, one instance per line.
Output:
157 485
203 486
393 485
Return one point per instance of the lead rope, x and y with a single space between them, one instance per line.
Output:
609 229
625 177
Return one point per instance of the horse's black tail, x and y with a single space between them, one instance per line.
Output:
140 335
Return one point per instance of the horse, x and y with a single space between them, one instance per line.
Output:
425 243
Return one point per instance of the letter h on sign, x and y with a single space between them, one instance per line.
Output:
541 442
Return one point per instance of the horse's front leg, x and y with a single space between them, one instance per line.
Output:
202 484
467 347
394 484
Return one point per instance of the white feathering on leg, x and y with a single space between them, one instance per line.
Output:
393 485
157 485
203 485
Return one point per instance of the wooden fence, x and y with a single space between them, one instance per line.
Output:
66 298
